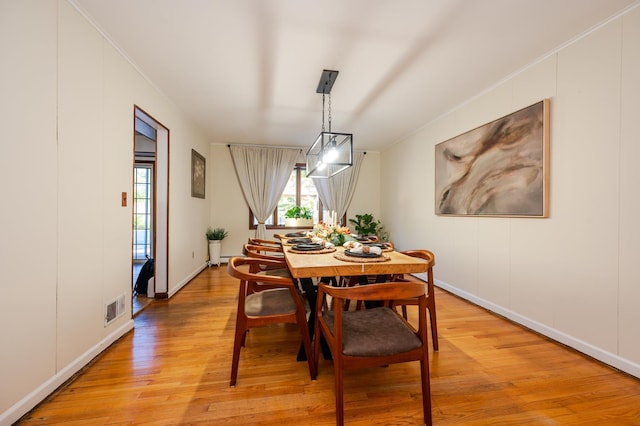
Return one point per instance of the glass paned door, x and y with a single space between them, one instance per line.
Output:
142 211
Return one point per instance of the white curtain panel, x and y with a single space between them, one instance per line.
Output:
337 191
263 173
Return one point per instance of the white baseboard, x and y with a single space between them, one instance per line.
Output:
586 348
27 403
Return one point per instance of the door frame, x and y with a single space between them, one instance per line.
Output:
160 230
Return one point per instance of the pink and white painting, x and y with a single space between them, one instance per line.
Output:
498 169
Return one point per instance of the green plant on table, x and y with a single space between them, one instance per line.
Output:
365 225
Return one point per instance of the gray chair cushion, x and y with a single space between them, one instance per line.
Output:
374 332
269 302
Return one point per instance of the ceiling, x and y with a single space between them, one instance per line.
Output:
246 71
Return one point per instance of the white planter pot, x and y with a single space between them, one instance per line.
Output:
297 223
214 252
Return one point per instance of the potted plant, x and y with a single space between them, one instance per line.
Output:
297 217
365 225
215 236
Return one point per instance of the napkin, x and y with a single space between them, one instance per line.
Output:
366 249
352 244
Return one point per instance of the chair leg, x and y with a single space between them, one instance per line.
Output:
238 342
243 341
306 341
316 347
338 371
434 327
426 390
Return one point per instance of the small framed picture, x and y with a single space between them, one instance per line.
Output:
198 174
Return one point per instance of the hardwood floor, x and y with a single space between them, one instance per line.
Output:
174 369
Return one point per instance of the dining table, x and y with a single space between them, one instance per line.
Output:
329 263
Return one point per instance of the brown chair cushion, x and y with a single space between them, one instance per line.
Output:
374 332
269 302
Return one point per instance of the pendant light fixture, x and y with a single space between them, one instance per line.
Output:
331 152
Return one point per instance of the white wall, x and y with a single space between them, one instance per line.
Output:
570 276
29 216
67 110
229 209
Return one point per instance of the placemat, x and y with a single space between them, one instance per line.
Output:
322 251
344 257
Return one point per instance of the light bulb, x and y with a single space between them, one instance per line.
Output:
330 155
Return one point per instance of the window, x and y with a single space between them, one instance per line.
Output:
300 191
142 211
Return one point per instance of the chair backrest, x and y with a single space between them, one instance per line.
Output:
263 252
261 242
247 270
429 257
384 291
422 254
381 291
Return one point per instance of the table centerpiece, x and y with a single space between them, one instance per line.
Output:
336 235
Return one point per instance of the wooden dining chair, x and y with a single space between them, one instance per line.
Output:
265 299
430 258
373 337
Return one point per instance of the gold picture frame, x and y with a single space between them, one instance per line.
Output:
198 174
500 169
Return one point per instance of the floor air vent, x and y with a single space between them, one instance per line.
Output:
113 309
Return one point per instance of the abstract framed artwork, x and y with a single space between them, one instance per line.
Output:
500 169
198 174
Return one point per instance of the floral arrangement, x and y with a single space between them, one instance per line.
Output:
337 235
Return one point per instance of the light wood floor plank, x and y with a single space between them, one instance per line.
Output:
174 369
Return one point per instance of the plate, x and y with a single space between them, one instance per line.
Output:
300 241
308 247
349 253
294 234
381 245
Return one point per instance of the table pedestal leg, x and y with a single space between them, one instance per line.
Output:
311 291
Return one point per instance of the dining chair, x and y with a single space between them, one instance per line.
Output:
264 300
305 285
373 337
430 258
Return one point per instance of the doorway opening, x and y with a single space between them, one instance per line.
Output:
150 211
